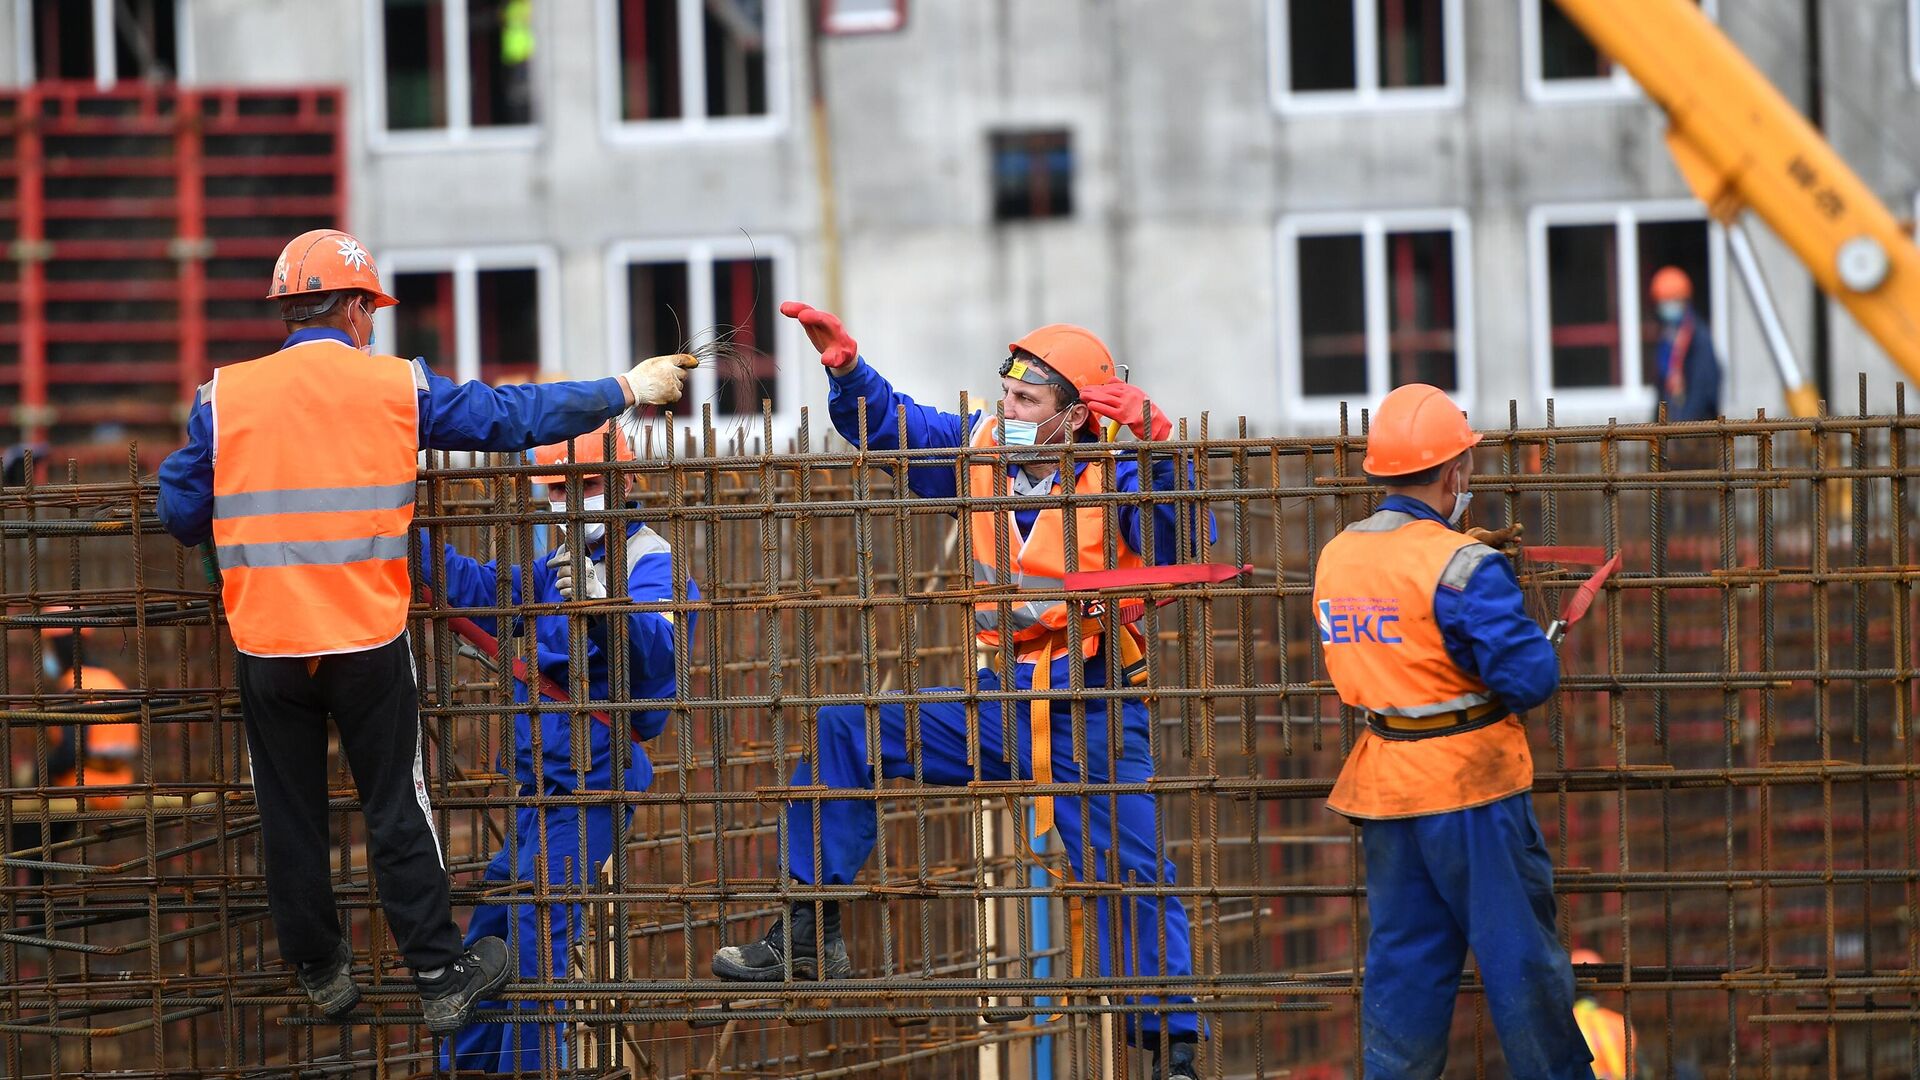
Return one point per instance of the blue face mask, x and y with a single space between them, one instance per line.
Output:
50 664
1024 432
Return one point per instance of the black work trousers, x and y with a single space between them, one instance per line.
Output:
374 703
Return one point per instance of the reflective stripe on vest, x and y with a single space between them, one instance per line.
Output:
1373 604
315 455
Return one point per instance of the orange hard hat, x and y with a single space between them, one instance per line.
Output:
1670 283
1073 352
52 633
588 449
326 260
1416 427
1585 956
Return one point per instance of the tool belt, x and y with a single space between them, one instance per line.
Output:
1458 722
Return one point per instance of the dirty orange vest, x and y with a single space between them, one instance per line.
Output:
1607 1038
313 485
111 749
1373 603
1040 629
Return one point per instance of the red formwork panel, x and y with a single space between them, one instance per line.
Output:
140 225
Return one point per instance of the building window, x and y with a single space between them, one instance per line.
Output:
1596 331
451 70
1563 64
862 16
1371 302
671 66
100 41
1032 174
668 297
1345 54
490 314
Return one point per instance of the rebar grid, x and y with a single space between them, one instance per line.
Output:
1726 782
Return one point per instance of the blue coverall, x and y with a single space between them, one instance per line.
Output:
528 928
1480 878
1702 372
846 829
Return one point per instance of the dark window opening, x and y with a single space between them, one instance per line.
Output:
1412 43
1421 343
416 64
1583 302
649 59
424 321
743 306
1333 316
1032 175
1565 50
145 40
509 324
500 49
1321 45
736 44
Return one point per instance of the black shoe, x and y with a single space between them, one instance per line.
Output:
1180 1061
766 960
329 983
448 1001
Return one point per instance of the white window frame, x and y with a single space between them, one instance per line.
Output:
1619 86
459 132
700 254
1367 95
106 62
693 82
1631 402
838 22
1372 227
465 265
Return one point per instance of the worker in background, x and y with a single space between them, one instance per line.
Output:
1606 1031
1057 383
1689 372
308 503
542 934
1424 634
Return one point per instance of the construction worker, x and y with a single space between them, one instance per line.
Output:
1684 358
1606 1031
308 502
1424 633
1057 382
553 832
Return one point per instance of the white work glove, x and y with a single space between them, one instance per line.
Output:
562 562
659 380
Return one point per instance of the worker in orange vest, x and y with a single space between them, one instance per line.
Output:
104 753
309 500
1606 1031
1057 385
1424 634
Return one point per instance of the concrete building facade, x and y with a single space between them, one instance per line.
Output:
1265 211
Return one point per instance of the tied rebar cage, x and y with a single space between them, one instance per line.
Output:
1726 781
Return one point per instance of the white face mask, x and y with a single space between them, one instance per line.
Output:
1460 503
1024 432
592 531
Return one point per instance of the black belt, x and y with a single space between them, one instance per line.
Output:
1459 721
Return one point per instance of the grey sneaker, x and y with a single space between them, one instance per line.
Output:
448 1001
329 983
766 960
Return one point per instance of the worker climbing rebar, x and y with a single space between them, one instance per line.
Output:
1057 383
1424 631
308 501
553 833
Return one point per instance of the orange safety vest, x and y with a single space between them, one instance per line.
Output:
314 459
1041 628
111 749
1373 601
1607 1037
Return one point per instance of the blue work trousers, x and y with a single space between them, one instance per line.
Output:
1438 885
531 928
847 828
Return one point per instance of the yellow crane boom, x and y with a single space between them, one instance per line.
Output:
1741 146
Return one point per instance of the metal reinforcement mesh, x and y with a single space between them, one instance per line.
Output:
1726 781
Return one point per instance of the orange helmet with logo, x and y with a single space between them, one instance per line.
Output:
1416 427
588 449
1670 283
323 261
1073 352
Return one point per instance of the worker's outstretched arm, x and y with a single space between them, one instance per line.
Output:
505 419
1488 632
186 481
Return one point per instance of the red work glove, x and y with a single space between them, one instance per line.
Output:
838 350
1126 403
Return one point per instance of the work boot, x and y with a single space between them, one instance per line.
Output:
329 983
766 960
1181 1061
447 1000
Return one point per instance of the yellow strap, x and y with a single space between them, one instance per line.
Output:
1040 726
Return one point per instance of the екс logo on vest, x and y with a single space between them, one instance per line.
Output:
1359 619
